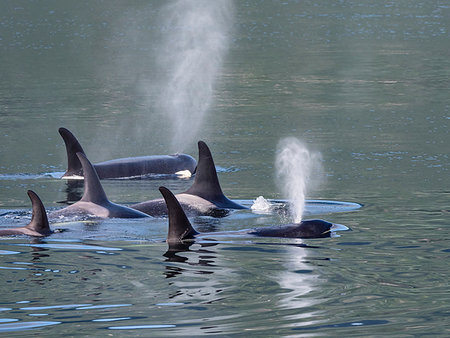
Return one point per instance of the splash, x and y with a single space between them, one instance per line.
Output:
196 38
298 170
261 205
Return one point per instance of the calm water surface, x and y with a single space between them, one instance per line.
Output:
366 84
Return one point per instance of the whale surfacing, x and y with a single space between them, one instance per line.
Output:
127 167
180 229
38 227
94 201
204 197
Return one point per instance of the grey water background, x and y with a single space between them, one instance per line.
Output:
365 83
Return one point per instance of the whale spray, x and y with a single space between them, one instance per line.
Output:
195 41
298 171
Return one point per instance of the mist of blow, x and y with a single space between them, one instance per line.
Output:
195 41
298 171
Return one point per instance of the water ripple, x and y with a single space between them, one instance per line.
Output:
137 327
70 246
68 306
24 326
111 319
102 306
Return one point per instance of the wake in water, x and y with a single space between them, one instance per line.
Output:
298 171
27 176
196 40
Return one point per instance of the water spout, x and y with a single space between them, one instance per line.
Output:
196 39
298 170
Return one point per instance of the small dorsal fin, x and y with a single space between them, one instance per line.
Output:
93 190
39 220
72 148
179 226
206 183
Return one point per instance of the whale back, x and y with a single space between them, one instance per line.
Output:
206 183
179 226
39 220
73 147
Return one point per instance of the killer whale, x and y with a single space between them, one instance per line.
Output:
125 167
204 197
94 201
38 227
181 230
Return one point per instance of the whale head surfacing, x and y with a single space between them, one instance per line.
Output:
315 228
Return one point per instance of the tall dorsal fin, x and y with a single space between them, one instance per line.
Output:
72 148
39 220
93 190
206 183
179 226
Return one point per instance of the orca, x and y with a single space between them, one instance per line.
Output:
128 167
204 197
181 230
94 201
38 227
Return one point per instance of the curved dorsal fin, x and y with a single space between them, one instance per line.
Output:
93 190
206 183
179 226
39 220
72 148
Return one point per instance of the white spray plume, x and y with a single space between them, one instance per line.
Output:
298 171
196 39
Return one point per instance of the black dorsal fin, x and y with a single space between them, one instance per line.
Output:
72 148
206 183
179 226
39 220
93 190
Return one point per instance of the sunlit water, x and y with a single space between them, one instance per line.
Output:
366 84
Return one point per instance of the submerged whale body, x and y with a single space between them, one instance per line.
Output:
180 229
94 201
38 226
204 197
125 167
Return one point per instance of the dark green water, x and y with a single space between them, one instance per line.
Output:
365 83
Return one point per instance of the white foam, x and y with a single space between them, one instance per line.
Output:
261 205
338 227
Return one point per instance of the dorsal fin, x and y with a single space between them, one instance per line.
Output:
72 148
39 220
179 226
93 190
206 183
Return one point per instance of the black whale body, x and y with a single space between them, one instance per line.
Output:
204 197
95 203
180 229
125 167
